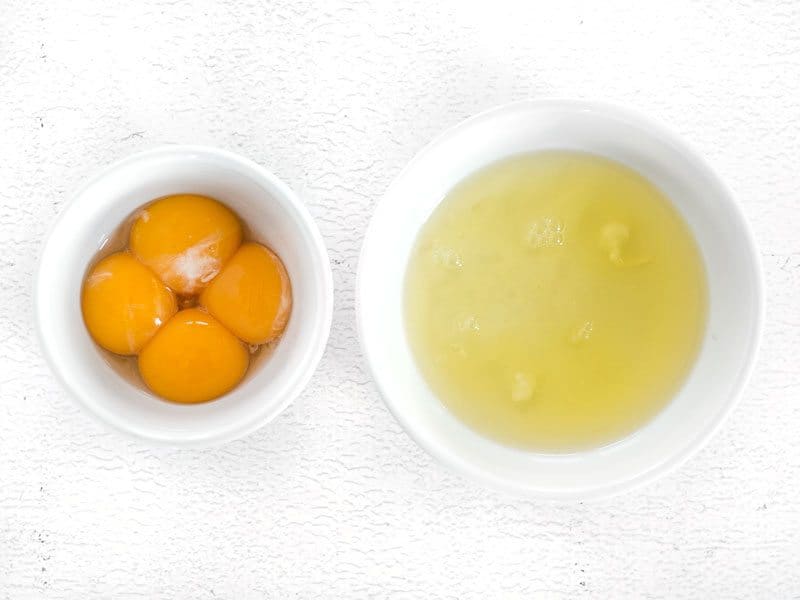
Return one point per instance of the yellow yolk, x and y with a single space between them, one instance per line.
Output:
252 295
193 359
186 297
185 239
124 304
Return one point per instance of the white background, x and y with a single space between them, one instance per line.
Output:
333 500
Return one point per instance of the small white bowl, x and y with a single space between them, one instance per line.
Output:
273 215
734 278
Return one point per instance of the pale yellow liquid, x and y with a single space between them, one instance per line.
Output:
555 301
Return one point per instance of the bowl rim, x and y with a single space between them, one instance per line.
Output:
296 386
455 462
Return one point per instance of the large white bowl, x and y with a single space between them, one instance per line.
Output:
734 278
272 214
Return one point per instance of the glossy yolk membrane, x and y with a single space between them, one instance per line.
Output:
251 296
124 304
185 239
193 359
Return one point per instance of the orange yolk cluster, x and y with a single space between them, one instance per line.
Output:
183 250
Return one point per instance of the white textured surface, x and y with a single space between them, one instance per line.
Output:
333 499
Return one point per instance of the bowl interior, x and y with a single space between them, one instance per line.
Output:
273 216
727 351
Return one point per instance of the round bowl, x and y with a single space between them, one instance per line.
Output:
734 323
273 215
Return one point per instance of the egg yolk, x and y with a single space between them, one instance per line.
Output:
193 358
185 239
124 304
252 295
186 297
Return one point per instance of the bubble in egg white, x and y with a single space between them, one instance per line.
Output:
582 332
447 257
522 387
468 323
547 232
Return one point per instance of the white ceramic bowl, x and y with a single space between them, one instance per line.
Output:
274 216
735 313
